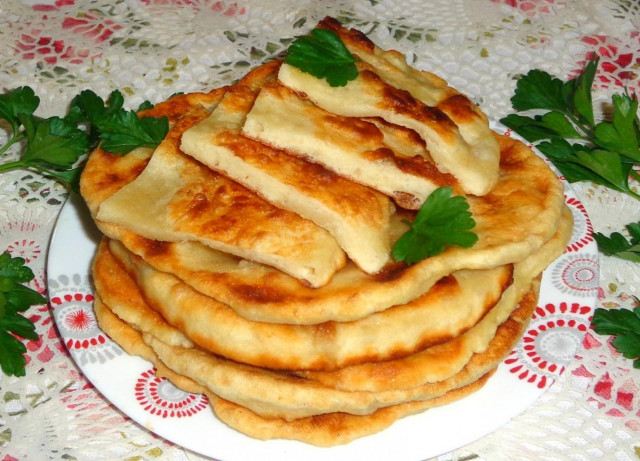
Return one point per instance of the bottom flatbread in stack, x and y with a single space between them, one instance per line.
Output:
228 291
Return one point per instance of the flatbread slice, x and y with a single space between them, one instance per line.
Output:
457 134
177 199
386 157
105 173
357 216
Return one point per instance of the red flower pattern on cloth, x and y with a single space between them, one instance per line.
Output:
529 7
32 45
92 414
49 344
35 43
27 249
92 26
619 64
614 392
228 9
56 5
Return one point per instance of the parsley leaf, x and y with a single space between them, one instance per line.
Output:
120 130
604 153
539 90
577 92
617 245
442 221
15 298
323 55
57 146
53 142
622 135
18 101
124 131
625 325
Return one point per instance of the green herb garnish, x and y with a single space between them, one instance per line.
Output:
442 221
618 246
323 55
14 299
604 153
56 146
51 146
120 130
625 325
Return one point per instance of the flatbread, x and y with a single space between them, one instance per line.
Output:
478 299
328 429
130 339
120 292
514 220
105 173
176 198
456 132
441 361
356 216
339 349
451 307
282 395
386 157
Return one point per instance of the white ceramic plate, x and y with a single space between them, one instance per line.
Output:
567 299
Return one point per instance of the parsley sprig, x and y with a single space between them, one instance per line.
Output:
323 55
119 130
583 150
625 325
15 298
56 146
51 146
604 153
442 221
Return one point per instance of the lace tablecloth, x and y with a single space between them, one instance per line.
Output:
151 49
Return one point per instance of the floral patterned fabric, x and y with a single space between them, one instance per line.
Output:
151 49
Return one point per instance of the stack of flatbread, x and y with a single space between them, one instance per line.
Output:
249 255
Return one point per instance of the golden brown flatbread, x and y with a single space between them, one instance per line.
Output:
282 395
386 157
235 380
312 346
130 339
514 220
451 307
355 215
105 173
329 429
457 134
176 198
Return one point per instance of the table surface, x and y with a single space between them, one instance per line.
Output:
151 49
